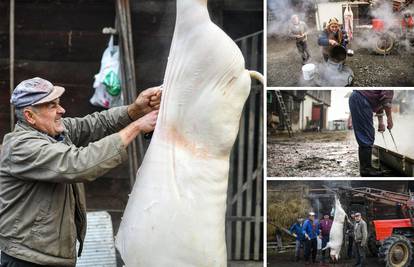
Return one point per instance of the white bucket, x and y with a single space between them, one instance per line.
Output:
308 71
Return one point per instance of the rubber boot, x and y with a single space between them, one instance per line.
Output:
365 163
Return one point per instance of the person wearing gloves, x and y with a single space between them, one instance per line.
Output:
310 230
44 163
332 36
296 231
361 237
363 104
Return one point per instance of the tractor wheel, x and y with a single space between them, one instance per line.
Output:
396 251
372 245
384 43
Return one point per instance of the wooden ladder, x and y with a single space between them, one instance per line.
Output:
284 112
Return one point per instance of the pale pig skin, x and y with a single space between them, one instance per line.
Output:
176 213
336 234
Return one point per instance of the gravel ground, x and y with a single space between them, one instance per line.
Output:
312 154
284 65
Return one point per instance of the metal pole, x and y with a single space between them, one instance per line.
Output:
11 61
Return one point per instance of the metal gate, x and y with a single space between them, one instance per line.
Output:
244 219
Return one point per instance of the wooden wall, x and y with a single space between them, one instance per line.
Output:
62 41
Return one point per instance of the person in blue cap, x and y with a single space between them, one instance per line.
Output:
310 230
44 163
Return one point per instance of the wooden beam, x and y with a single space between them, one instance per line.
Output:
11 81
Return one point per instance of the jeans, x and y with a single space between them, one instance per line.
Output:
298 245
359 254
362 119
325 240
311 247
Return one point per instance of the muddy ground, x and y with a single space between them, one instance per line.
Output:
284 64
313 154
285 259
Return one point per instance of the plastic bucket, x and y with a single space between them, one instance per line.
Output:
308 71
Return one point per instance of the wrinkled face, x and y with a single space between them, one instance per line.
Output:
334 28
47 118
295 20
358 218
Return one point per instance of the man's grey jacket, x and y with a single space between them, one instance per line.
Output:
42 200
361 232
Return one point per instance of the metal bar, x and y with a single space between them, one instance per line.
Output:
229 224
240 175
11 82
259 185
248 36
249 173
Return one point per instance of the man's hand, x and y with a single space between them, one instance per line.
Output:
307 236
333 42
295 235
143 125
381 127
390 123
147 101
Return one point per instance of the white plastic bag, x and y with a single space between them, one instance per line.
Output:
108 92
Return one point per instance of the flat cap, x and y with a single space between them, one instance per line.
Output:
35 91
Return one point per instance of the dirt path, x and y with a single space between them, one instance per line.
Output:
284 65
285 259
328 154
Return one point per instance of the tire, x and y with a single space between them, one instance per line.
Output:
372 246
396 251
384 43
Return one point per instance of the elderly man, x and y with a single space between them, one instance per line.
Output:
44 162
332 36
311 232
363 104
299 31
361 237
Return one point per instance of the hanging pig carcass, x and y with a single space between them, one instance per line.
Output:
336 235
175 215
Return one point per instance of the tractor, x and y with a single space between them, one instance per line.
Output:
390 239
390 34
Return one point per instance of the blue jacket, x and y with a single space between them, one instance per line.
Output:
323 39
311 229
296 228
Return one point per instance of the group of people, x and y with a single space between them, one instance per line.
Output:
308 231
333 35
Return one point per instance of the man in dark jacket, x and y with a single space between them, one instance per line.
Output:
44 163
362 104
350 225
332 36
296 231
325 226
311 232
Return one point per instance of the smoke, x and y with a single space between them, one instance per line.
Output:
382 13
403 126
281 11
331 74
